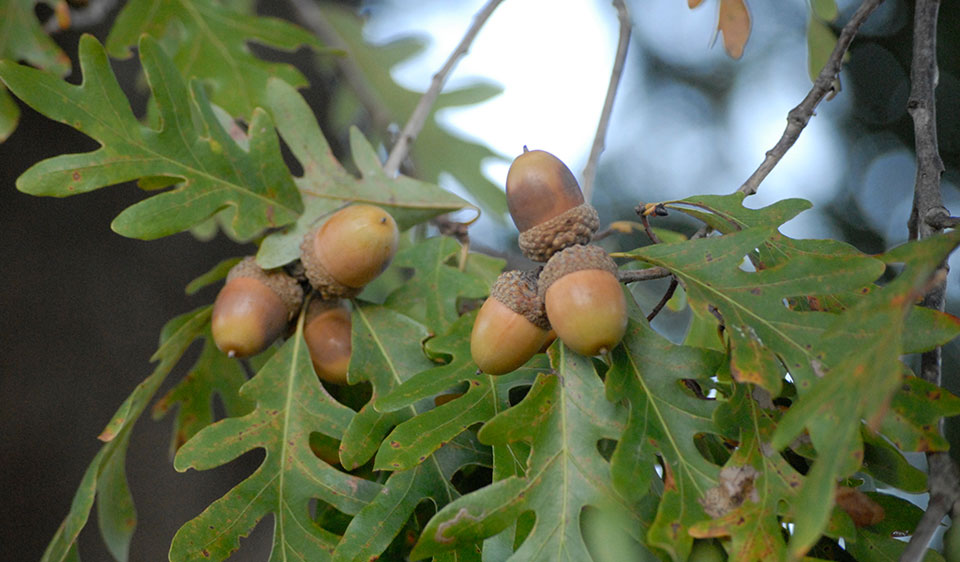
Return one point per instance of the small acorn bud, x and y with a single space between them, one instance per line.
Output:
253 308
584 300
349 250
511 325
547 205
326 330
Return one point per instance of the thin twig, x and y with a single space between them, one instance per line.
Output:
799 116
311 16
422 111
646 228
664 299
590 170
634 275
925 216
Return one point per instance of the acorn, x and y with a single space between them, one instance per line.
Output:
350 249
547 205
253 308
583 299
511 326
326 330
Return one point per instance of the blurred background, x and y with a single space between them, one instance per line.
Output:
82 307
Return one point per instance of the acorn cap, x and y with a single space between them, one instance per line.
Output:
278 281
517 290
574 258
574 226
320 279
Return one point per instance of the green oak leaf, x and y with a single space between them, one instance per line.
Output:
762 331
105 478
213 374
372 529
216 273
290 405
209 40
436 150
753 525
386 350
887 464
431 295
861 350
873 546
647 371
411 442
326 186
915 409
22 38
254 187
563 417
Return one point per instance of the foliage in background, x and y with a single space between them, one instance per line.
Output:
747 436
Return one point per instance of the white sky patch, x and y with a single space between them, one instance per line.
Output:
553 64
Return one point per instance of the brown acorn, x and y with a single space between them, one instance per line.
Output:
253 308
547 205
326 330
584 300
511 325
349 250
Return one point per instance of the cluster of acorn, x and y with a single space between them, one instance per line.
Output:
342 255
575 296
577 293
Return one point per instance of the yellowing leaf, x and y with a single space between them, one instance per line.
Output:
734 24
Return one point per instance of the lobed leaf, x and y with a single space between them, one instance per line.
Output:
760 328
104 479
22 38
749 515
208 41
386 351
431 295
254 188
861 350
648 372
412 441
214 374
290 405
378 523
563 417
326 186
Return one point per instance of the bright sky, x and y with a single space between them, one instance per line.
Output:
554 65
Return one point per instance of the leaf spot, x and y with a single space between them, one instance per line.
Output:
76 175
442 527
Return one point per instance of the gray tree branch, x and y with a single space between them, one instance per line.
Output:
928 217
599 140
799 116
422 111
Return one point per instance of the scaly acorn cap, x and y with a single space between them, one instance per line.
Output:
284 286
348 250
320 279
517 290
574 258
572 227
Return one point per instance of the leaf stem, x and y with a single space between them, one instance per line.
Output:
422 111
599 140
928 217
634 275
